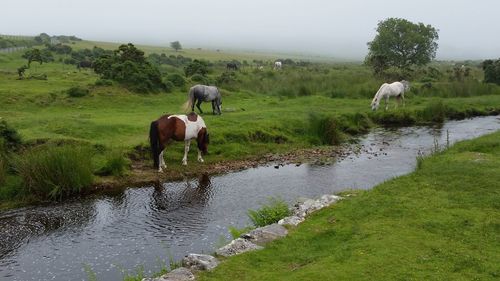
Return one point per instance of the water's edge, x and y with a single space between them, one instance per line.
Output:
141 226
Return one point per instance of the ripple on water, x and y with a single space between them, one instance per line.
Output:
144 225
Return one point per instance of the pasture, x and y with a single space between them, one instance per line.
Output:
264 111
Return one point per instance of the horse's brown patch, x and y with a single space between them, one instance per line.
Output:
171 128
192 117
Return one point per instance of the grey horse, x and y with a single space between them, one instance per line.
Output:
200 93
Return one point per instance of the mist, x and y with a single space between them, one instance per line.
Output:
338 29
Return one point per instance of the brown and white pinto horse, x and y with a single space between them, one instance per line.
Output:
179 128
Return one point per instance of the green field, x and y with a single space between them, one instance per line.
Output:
264 111
439 223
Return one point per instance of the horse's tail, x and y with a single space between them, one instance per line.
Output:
154 141
189 103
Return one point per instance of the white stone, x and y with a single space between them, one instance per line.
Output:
293 220
266 234
236 247
179 274
200 262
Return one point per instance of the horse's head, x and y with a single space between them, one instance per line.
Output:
203 140
375 103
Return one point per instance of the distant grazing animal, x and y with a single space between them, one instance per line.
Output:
203 93
231 66
180 128
277 65
396 89
84 64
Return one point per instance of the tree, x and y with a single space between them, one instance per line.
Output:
176 45
128 66
33 55
401 44
491 71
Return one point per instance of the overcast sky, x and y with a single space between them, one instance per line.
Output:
467 29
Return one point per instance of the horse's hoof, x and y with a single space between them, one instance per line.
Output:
201 160
184 163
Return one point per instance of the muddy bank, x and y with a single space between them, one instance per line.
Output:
142 172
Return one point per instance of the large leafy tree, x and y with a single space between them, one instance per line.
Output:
402 44
491 71
128 66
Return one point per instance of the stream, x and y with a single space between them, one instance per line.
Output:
149 225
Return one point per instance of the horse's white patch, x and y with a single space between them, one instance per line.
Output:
390 90
192 128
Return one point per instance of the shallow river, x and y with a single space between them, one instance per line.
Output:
145 226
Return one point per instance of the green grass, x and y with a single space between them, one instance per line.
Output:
263 111
271 212
439 223
55 172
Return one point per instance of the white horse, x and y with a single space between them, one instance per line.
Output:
396 89
277 65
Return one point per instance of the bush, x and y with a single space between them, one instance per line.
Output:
116 164
77 92
103 82
434 112
9 137
169 86
196 67
176 79
328 129
55 172
129 67
270 213
304 91
199 78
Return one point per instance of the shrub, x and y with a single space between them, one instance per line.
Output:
328 129
176 79
434 112
9 137
103 82
77 92
199 78
169 86
304 91
116 164
196 67
270 213
129 67
54 172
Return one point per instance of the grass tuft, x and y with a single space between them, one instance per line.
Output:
270 213
55 172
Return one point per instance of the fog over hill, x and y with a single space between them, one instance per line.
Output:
341 29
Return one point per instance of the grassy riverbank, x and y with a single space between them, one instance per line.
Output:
439 223
304 105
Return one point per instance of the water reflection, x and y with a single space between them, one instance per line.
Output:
135 226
